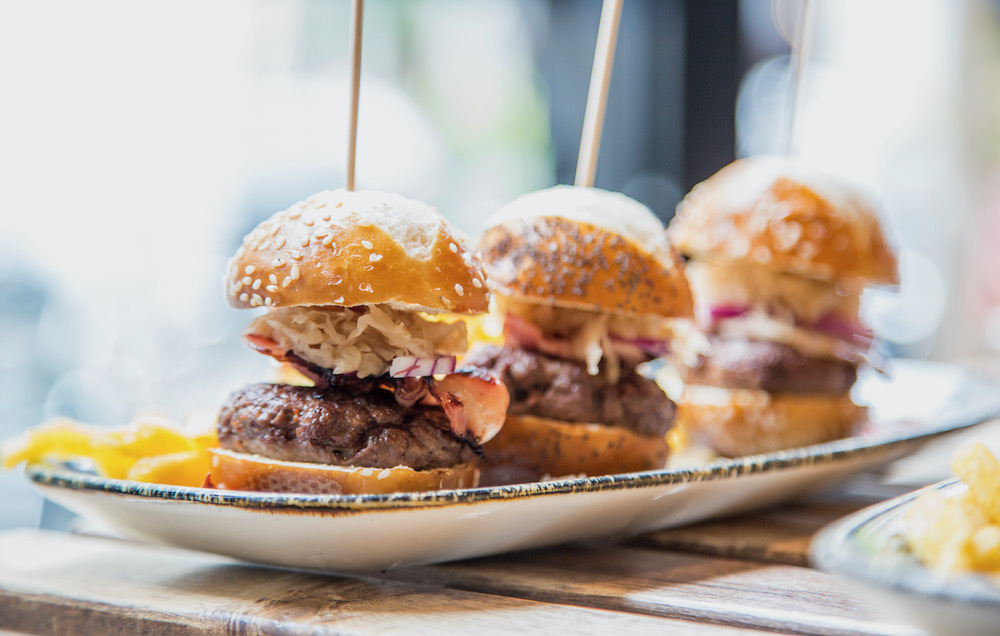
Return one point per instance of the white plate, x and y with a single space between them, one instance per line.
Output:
868 550
367 532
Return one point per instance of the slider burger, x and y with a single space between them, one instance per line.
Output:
586 285
778 257
362 292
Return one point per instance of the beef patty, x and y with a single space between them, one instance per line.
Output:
327 426
558 389
770 366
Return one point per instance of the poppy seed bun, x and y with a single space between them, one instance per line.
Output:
357 248
540 447
585 248
778 213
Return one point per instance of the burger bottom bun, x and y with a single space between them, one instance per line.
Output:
530 448
738 422
242 471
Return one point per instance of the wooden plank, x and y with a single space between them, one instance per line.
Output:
53 583
669 584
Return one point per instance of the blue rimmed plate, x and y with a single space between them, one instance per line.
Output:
868 551
365 532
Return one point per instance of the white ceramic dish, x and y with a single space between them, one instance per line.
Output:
369 532
868 550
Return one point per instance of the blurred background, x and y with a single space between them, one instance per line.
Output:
139 141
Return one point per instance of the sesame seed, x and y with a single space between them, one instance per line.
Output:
369 268
338 299
297 255
256 300
477 283
295 214
256 284
373 257
459 290
274 229
367 244
249 269
336 280
277 262
365 287
244 297
295 272
279 242
384 474
453 248
328 241
325 217
307 222
246 280
321 234
287 281
272 288
304 242
273 279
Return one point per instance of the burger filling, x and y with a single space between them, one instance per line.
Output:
332 426
360 340
604 342
550 387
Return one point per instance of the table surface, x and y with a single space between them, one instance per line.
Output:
743 575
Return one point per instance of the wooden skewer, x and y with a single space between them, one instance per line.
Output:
597 97
800 55
357 14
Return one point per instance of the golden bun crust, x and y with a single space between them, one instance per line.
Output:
555 260
752 422
775 212
535 447
241 471
357 248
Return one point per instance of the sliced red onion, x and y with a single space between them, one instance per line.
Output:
721 312
844 329
414 367
652 346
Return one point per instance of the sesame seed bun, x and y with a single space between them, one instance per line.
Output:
532 447
737 422
357 248
242 471
780 213
585 248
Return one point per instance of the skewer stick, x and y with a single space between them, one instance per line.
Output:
597 97
357 14
801 49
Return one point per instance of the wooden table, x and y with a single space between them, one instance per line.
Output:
746 575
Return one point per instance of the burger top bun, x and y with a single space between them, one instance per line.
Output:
357 248
778 213
585 248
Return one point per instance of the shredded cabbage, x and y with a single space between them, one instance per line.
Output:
361 339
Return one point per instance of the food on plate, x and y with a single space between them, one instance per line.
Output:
150 449
586 288
778 255
960 533
363 294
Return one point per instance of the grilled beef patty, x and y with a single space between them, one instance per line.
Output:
558 389
769 366
327 426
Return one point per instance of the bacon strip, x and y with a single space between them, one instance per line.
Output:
475 403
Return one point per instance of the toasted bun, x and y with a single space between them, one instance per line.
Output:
241 471
585 248
533 447
739 422
779 213
357 248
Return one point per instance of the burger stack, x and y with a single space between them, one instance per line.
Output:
778 256
587 287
